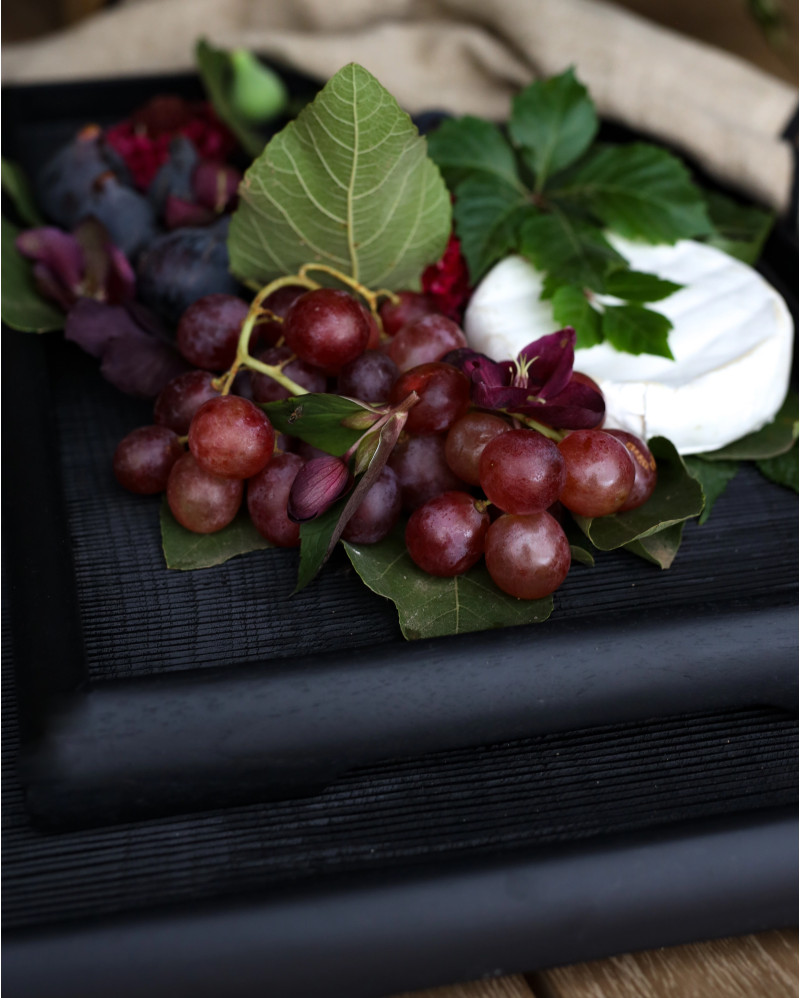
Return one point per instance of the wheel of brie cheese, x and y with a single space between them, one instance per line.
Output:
732 341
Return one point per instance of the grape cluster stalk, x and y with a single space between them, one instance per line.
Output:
473 483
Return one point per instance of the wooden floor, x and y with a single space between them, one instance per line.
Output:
757 966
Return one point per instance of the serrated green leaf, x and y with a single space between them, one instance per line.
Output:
783 469
659 548
22 306
569 249
738 230
216 72
633 285
771 440
465 147
571 307
347 185
186 551
713 476
639 191
488 216
17 187
317 418
554 121
431 607
677 497
636 330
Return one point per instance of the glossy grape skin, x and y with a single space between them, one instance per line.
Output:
267 495
527 556
326 328
279 303
368 377
466 440
422 469
144 458
208 331
644 465
445 536
425 340
231 437
180 399
267 389
378 512
202 502
599 473
522 472
412 305
443 396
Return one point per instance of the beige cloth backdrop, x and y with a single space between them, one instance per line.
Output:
465 56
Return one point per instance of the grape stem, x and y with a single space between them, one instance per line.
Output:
546 431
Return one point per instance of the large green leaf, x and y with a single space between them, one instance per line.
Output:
465 147
677 497
714 477
633 285
17 187
428 606
488 214
185 550
739 230
635 329
571 307
771 440
782 469
348 185
318 419
659 548
22 306
569 249
639 191
554 121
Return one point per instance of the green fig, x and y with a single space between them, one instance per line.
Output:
257 93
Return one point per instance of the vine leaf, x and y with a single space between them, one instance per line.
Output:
348 185
185 550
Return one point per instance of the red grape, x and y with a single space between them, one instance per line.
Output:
378 512
443 396
231 437
326 328
522 471
267 495
466 440
445 536
422 469
200 501
425 340
599 473
412 305
644 467
279 302
144 458
181 398
267 389
368 377
527 556
208 331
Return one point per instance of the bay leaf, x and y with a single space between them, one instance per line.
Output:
714 477
431 607
317 419
185 550
659 548
349 185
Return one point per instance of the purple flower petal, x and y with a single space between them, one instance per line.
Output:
577 407
179 213
121 279
93 325
57 251
50 287
550 358
141 365
317 486
215 184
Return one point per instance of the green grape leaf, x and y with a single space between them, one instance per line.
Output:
569 249
16 185
185 550
659 548
677 497
216 71
771 440
571 307
639 191
488 215
431 607
781 469
319 419
739 230
22 306
633 285
346 185
554 122
713 476
465 147
636 330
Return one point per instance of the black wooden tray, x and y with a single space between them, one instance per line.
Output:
640 737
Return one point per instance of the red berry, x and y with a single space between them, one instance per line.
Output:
231 437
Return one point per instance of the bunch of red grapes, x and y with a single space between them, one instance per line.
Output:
475 483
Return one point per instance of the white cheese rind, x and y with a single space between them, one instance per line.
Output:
732 340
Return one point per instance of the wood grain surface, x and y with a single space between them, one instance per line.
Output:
757 966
